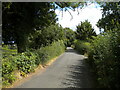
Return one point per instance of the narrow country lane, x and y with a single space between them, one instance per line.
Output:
69 70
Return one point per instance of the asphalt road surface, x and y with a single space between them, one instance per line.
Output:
68 71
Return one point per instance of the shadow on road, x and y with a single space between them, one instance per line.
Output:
79 75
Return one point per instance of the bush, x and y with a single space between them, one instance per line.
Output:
46 53
82 47
104 57
7 71
8 78
46 36
26 62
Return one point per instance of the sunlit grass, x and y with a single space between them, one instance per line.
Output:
7 51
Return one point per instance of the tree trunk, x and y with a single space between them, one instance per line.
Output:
22 43
20 48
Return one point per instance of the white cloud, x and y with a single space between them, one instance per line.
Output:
90 12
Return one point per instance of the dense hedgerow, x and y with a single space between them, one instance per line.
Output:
7 71
46 53
82 46
26 62
105 58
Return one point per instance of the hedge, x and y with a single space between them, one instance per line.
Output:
82 47
104 57
27 62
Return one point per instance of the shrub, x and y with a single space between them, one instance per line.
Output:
7 71
7 65
8 78
26 62
46 53
82 47
104 57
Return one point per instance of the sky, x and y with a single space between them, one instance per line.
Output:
92 13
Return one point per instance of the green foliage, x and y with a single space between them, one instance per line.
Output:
7 66
85 31
28 16
26 62
105 52
70 36
111 16
8 78
105 58
33 27
46 36
82 47
46 53
8 50
7 71
71 5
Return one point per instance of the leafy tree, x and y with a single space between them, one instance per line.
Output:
46 36
105 52
111 16
70 36
85 31
21 19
